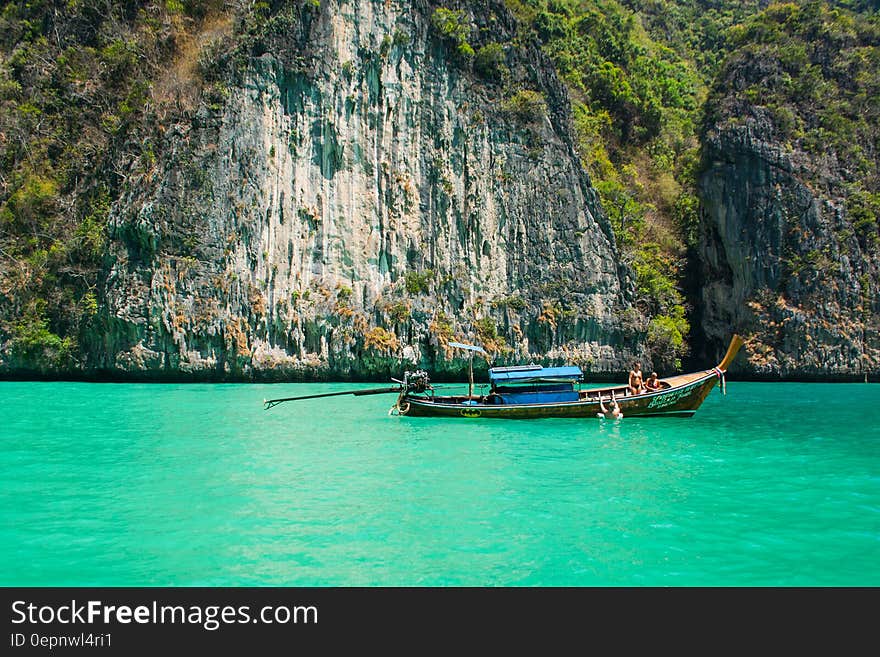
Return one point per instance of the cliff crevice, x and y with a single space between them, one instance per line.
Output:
359 198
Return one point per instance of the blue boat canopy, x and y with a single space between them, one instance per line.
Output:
534 373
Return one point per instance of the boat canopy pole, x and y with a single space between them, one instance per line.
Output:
269 403
472 349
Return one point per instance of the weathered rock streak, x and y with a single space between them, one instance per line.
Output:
360 198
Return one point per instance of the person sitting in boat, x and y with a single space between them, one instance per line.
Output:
636 385
652 382
612 413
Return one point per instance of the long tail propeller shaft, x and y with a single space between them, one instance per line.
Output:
270 403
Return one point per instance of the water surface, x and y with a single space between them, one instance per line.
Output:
142 485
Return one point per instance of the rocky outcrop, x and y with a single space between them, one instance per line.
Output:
351 196
781 261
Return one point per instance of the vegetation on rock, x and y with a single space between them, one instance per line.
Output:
88 90
79 84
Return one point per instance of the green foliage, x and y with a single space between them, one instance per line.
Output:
487 335
75 82
385 46
441 327
623 209
687 217
401 38
31 207
667 336
656 288
514 302
607 59
89 304
34 343
489 62
399 312
454 26
418 282
451 24
525 106
550 25
91 233
486 329
465 51
863 209
118 58
694 29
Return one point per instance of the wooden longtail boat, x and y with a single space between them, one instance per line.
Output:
532 391
535 392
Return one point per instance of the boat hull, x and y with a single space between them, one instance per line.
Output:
681 398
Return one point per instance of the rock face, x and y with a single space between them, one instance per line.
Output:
781 262
357 197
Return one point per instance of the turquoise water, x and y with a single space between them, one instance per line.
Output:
189 485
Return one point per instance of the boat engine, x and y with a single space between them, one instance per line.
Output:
417 381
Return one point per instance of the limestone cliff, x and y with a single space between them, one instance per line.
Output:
789 244
352 194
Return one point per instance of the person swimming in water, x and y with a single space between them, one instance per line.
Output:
612 413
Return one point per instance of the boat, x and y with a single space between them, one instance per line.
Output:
534 391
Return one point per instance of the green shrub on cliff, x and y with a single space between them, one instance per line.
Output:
487 335
454 26
667 340
525 106
34 345
31 208
489 62
864 211
418 282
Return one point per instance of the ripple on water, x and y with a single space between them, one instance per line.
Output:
196 485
